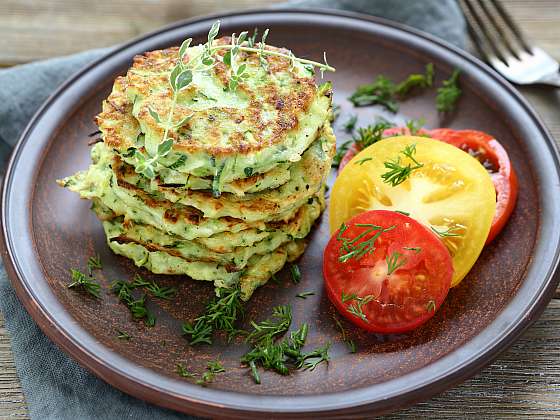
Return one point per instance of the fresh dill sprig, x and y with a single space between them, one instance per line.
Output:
211 370
380 92
449 93
371 134
282 319
356 308
94 263
305 295
85 283
166 293
416 80
335 112
394 262
350 343
296 273
414 126
416 249
362 161
123 335
350 125
402 212
184 372
359 246
431 306
277 355
347 297
340 152
221 314
397 173
383 91
448 233
136 306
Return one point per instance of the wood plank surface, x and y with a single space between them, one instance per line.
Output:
523 383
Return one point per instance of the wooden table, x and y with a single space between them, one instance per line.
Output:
523 382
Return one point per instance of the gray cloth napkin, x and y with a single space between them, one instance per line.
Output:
54 385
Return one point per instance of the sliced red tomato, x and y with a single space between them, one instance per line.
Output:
495 159
390 132
386 272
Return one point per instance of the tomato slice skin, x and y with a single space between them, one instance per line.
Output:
404 299
503 175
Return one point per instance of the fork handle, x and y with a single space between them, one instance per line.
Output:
552 79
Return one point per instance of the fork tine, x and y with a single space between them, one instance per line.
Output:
477 41
475 19
512 25
498 28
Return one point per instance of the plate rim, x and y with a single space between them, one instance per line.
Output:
242 405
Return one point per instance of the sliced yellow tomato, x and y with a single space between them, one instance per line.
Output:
450 192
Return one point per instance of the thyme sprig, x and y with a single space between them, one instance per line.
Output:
397 173
85 283
356 247
182 74
221 314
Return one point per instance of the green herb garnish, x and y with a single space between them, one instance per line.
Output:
122 335
356 308
305 295
277 355
136 306
431 306
394 262
211 370
352 248
350 343
397 173
416 249
94 263
296 273
402 212
449 93
350 124
181 76
383 91
85 283
184 372
362 161
340 152
220 315
449 232
371 134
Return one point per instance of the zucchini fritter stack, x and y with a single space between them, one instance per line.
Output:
238 190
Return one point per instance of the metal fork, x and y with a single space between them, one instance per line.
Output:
499 40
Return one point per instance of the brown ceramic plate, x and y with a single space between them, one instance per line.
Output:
47 230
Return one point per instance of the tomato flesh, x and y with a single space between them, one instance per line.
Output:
495 159
397 286
483 147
